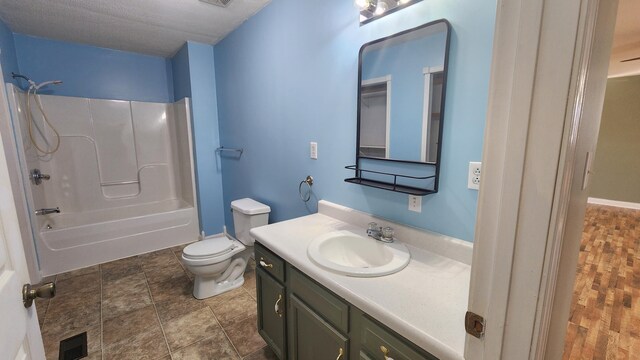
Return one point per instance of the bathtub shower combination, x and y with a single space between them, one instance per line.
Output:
122 178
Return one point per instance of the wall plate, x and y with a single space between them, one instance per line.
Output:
475 171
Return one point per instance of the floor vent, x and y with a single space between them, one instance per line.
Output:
73 348
222 3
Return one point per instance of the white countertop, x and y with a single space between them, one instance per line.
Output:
425 302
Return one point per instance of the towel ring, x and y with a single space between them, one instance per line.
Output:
309 182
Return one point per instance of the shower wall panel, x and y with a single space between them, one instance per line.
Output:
112 153
122 177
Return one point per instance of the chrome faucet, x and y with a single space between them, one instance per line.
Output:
379 233
47 211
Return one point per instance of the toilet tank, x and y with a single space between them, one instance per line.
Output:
247 214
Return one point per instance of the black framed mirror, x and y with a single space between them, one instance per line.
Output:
401 101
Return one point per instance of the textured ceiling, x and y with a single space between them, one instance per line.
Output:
626 40
156 27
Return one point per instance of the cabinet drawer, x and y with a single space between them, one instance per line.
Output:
373 336
329 306
269 262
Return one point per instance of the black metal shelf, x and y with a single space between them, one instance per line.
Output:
390 185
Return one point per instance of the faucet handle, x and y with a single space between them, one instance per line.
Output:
388 232
373 226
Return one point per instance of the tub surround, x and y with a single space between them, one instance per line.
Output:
425 302
123 179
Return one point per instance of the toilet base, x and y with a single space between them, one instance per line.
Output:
207 287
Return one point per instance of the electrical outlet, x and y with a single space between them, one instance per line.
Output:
475 171
415 203
313 150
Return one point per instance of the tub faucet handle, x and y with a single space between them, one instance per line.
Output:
37 176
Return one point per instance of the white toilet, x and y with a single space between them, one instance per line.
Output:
218 263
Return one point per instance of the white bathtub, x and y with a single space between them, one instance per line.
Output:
76 240
120 195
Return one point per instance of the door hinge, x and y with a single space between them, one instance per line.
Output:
474 324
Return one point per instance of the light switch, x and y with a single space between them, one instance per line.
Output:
313 150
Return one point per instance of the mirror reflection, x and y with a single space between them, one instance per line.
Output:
402 95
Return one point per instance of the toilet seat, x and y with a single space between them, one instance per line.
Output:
208 247
211 250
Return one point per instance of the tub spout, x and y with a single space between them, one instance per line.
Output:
47 211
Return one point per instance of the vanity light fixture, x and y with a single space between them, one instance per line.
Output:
381 8
362 4
374 9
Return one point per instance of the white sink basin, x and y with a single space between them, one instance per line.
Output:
351 254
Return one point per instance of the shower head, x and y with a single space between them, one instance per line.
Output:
43 84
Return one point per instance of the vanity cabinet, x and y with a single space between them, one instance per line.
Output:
318 324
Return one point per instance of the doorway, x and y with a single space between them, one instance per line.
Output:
605 306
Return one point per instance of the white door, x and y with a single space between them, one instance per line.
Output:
19 331
545 74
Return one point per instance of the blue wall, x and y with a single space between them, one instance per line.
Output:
204 110
89 71
8 58
288 76
180 72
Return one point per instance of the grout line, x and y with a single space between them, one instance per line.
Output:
257 351
225 332
204 338
184 268
164 336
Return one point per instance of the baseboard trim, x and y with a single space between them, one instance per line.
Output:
616 203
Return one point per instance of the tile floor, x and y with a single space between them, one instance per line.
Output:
142 308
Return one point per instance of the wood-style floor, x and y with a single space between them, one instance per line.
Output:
605 311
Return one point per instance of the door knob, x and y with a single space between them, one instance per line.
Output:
44 291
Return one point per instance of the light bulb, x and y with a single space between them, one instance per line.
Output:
362 4
381 8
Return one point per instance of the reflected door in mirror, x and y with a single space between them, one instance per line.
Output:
374 130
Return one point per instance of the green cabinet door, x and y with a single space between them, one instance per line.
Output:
311 337
271 312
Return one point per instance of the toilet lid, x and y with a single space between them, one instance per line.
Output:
208 248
